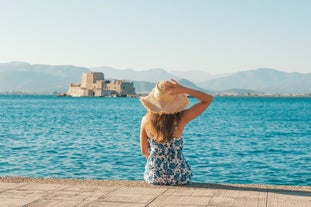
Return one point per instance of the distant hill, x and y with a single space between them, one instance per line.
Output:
190 84
195 76
264 80
151 75
37 78
238 91
143 87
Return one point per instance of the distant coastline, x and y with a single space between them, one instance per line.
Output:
295 95
264 95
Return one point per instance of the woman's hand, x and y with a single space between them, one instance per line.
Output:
174 87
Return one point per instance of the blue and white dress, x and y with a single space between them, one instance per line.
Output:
166 164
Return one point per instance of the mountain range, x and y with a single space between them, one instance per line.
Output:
263 80
39 78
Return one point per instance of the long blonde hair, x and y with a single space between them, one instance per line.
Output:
163 125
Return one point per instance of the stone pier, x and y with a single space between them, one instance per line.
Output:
29 192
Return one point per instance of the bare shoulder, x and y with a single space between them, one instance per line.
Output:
144 120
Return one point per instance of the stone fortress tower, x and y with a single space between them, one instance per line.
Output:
94 84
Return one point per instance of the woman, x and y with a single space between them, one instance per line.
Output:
161 131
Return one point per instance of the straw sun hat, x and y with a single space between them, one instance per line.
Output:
160 101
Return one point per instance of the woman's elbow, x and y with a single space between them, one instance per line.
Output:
209 100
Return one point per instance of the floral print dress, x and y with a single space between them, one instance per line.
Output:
166 164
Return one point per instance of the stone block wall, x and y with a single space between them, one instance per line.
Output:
93 84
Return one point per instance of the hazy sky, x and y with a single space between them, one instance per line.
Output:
218 36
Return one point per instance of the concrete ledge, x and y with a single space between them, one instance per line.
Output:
21 191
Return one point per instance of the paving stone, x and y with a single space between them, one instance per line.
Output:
15 202
180 192
290 195
249 194
287 203
191 192
113 204
21 193
173 205
64 195
130 198
182 200
249 202
205 192
218 206
141 191
46 187
55 203
90 196
240 193
81 194
90 188
221 201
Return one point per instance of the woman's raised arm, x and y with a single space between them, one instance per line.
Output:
198 108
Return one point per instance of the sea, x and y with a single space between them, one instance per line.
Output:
237 140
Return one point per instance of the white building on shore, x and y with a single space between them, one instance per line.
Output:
94 84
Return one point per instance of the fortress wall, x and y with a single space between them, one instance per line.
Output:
93 84
89 79
100 84
98 76
74 90
121 87
127 88
86 92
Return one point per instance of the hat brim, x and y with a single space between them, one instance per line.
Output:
177 104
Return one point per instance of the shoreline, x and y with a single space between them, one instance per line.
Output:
138 95
140 183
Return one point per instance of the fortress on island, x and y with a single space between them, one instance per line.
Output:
94 84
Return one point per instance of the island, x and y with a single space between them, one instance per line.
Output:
94 84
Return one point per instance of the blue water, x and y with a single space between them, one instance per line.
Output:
237 140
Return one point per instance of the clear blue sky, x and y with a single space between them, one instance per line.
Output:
219 36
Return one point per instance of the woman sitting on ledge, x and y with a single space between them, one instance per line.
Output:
161 131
